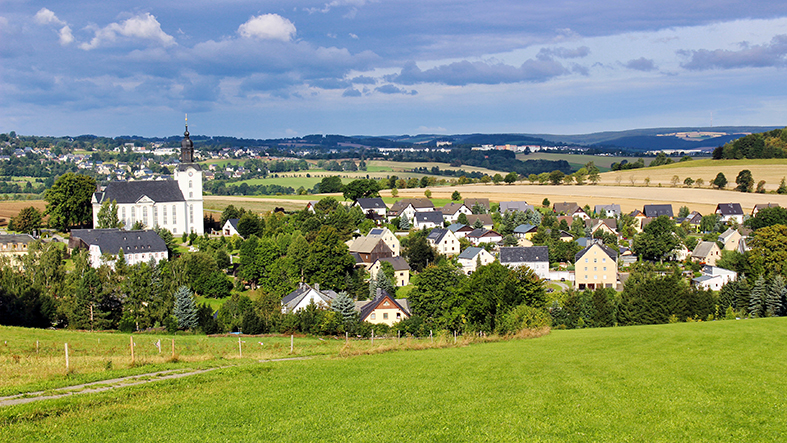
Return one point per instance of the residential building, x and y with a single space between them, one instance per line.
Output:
451 211
760 206
486 220
526 231
596 266
444 241
383 309
372 205
654 211
608 225
104 245
408 207
534 257
608 211
512 206
707 252
14 245
305 295
482 202
730 239
367 250
460 230
175 205
714 278
482 235
473 257
570 209
400 266
230 227
428 220
388 237
729 212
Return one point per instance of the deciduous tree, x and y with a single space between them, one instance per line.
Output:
68 201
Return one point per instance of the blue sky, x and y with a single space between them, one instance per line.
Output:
289 68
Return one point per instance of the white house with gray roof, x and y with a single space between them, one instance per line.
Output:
104 246
473 257
306 295
534 257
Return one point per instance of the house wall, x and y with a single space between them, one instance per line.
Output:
540 268
379 315
595 268
471 265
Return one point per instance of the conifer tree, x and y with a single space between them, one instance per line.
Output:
345 306
757 299
773 302
185 308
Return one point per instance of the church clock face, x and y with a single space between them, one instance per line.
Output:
191 174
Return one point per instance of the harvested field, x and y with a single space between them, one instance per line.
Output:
10 208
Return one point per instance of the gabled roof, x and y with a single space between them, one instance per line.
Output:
657 210
294 298
515 206
760 206
110 241
727 234
429 217
525 228
567 207
452 208
233 222
519 254
437 235
729 209
418 203
611 253
365 245
470 202
131 192
486 219
16 238
455 227
481 232
381 296
615 208
470 253
371 203
704 249
398 263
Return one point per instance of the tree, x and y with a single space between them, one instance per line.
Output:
462 218
699 182
108 215
185 309
497 178
556 177
580 176
394 192
331 184
428 193
545 203
28 220
775 215
769 249
68 201
745 181
345 306
782 187
419 253
511 177
382 281
759 293
761 187
683 212
688 181
404 223
435 298
329 261
720 181
774 301
361 188
456 196
657 240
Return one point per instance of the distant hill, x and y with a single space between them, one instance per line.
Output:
656 143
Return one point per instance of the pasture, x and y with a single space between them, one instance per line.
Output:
715 381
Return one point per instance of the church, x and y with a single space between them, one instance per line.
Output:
175 205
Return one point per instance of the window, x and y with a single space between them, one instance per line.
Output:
123 212
385 316
145 216
586 268
174 216
191 214
164 212
191 194
133 215
398 315
155 216
595 268
595 260
586 260
604 277
373 316
595 277
190 184
603 260
605 268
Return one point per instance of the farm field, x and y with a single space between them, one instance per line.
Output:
629 197
714 381
578 160
770 170
10 208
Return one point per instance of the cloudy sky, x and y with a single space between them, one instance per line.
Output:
383 67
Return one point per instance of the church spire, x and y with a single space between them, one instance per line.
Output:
186 146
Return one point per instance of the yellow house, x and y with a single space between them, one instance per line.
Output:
383 309
401 269
596 266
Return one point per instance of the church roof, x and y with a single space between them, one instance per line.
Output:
112 240
131 192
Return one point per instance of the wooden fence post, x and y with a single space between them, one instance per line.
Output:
173 348
66 357
131 339
292 342
372 337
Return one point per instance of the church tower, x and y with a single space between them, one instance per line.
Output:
188 175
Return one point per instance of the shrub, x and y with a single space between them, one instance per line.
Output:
522 317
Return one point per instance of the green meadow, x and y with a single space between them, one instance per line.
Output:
708 381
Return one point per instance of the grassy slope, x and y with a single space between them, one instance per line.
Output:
720 381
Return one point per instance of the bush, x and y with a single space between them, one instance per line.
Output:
522 317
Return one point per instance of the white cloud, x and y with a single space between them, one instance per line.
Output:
66 37
143 26
45 17
354 4
353 36
268 27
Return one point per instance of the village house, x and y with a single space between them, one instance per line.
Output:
526 231
104 245
372 206
473 257
305 295
760 206
730 239
383 309
460 230
729 212
444 241
596 266
14 245
400 266
607 225
451 211
230 227
714 278
570 209
608 211
408 208
486 220
512 206
482 235
482 202
707 252
427 220
534 257
653 211
388 237
367 250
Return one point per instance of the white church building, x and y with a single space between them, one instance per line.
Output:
175 205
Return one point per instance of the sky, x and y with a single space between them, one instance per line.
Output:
265 69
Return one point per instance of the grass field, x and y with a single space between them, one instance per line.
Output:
717 381
578 160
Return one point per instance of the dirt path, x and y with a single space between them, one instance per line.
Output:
115 383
